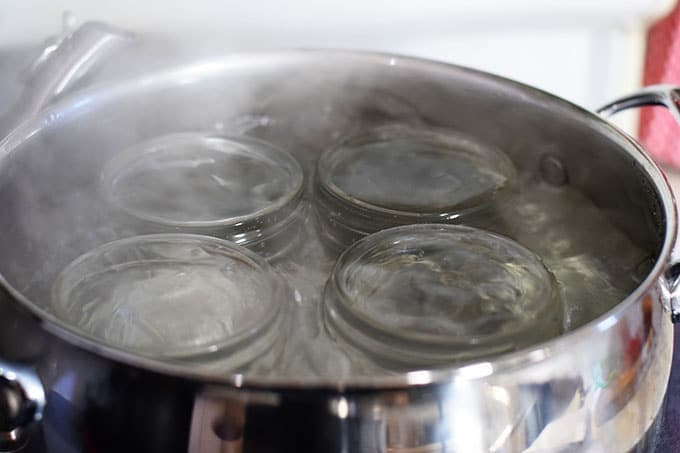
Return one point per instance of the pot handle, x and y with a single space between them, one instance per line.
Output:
22 401
654 95
670 291
61 62
667 96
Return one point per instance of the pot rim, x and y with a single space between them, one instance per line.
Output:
470 371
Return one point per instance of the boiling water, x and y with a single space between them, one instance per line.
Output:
594 266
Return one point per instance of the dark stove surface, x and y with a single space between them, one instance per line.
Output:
668 438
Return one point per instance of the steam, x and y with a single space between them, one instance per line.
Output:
53 209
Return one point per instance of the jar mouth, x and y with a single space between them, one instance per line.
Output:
441 293
173 297
244 184
397 175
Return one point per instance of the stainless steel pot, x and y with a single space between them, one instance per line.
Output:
598 388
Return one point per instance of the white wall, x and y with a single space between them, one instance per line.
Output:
587 51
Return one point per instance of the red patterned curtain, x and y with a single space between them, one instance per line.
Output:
658 131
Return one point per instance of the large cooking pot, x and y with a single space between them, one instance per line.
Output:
599 387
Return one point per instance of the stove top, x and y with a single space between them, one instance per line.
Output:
668 437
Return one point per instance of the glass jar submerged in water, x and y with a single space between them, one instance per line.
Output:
429 295
415 292
174 296
398 175
237 188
